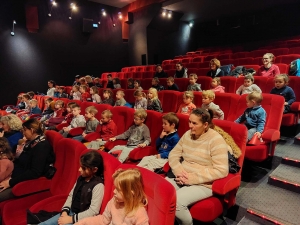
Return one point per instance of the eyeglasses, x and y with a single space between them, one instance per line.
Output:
137 119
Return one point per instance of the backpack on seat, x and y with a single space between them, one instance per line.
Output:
295 68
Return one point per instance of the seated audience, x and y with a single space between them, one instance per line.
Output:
181 72
89 80
216 85
51 89
61 92
193 86
6 160
171 85
130 82
31 94
59 111
248 86
153 101
164 144
254 117
76 81
125 207
140 100
281 88
137 85
160 73
110 83
187 106
155 84
94 91
117 83
199 158
268 69
207 103
120 101
138 135
97 83
76 95
85 96
50 106
215 70
82 81
34 109
108 97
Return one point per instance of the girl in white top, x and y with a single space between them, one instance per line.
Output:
95 94
76 93
51 89
248 86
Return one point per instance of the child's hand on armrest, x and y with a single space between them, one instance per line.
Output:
99 139
83 134
142 145
113 139
258 134
66 129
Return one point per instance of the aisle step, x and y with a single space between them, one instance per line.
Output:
259 217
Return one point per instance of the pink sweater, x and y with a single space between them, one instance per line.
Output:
116 216
271 72
186 109
219 89
6 168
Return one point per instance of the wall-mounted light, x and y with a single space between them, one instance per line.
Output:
164 12
120 15
73 8
169 14
52 4
191 23
103 12
12 33
114 24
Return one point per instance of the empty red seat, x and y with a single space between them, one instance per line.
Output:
171 99
258 53
186 60
121 75
150 68
224 56
280 51
169 67
148 74
125 69
228 103
168 61
229 83
205 82
283 68
132 69
137 75
182 83
243 61
238 55
190 53
287 59
140 68
204 65
227 62
198 59
208 58
203 71
146 83
171 72
128 75
192 65
176 61
193 70
295 50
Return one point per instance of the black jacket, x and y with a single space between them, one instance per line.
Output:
154 105
162 74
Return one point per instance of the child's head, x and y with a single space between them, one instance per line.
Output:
59 104
5 150
170 81
61 89
248 80
70 106
129 190
120 94
77 77
90 112
33 103
26 97
281 80
137 83
170 122
152 94
107 93
207 97
216 82
106 116
88 79
82 81
188 97
51 83
268 58
254 99
116 80
83 88
91 164
96 80
75 88
179 66
20 98
138 94
94 90
76 110
130 81
48 101
214 64
193 78
155 81
109 77
139 116
158 68
31 94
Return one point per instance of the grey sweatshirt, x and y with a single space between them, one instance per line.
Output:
136 135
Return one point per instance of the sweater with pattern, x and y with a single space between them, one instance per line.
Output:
136 135
247 90
204 159
218 113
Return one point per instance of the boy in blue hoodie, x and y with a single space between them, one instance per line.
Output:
164 144
254 117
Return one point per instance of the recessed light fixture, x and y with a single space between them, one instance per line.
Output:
12 33
191 24
169 14
164 13
53 3
120 15
103 12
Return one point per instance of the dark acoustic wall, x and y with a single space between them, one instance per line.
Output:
59 50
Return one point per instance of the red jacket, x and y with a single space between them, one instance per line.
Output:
86 97
107 130
58 112
69 117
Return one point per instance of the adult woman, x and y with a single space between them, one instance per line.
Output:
268 69
215 70
51 89
180 71
160 73
199 158
33 162
12 126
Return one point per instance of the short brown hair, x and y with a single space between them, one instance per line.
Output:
95 89
216 62
31 94
283 76
249 77
109 92
209 93
49 100
170 79
188 94
70 104
107 113
92 110
139 93
141 113
255 96
5 149
84 87
26 96
75 106
35 125
193 75
60 102
76 87
172 118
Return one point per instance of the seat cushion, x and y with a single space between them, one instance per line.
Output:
207 210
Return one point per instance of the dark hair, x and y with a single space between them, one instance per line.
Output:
117 80
91 160
172 118
109 75
138 81
52 82
34 124
5 149
158 65
204 116
31 94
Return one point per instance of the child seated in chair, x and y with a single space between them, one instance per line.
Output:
156 85
75 93
91 123
34 109
248 86
117 83
26 110
193 86
254 116
85 96
108 97
107 129
207 103
140 100
281 88
137 85
171 85
77 121
50 104
58 111
94 91
216 85
138 135
164 144
130 83
120 101
97 83
153 101
187 106
61 93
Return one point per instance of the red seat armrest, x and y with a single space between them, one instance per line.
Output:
31 186
76 131
51 204
271 135
139 153
11 106
226 184
92 136
110 144
61 126
295 107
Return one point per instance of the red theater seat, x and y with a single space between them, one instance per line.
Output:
186 60
295 50
205 82
170 100
182 84
280 51
227 62
258 53
287 59
203 71
192 65
229 83
148 74
151 68
137 75
238 55
243 61
198 59
140 68
224 56
283 68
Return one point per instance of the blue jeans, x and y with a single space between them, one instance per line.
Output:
54 219
79 138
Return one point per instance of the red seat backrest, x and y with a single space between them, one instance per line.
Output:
192 65
283 68
121 75
203 71
140 68
197 98
53 137
183 124
154 123
258 53
137 75
280 51
294 83
123 117
227 103
182 83
128 75
243 61
295 50
287 59
239 55
146 83
132 69
171 99
205 82
224 56
148 74
227 62
151 68
198 59
186 60
124 83
229 83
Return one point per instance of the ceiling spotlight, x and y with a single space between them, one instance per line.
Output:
169 14
70 17
120 15
74 7
14 22
99 22
191 23
53 4
103 12
12 33
164 13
